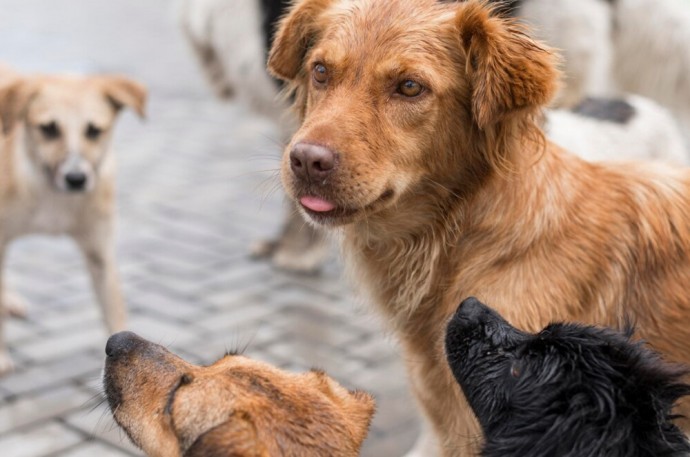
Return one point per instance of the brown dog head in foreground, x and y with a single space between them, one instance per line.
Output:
235 407
68 122
388 75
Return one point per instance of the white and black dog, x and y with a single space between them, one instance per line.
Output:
648 40
618 46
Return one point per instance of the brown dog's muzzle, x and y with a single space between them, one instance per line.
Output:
312 162
127 358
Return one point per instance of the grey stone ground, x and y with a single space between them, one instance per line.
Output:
195 188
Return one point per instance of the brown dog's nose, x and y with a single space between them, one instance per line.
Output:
121 344
312 161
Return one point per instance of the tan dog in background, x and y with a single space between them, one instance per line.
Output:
235 407
57 174
419 140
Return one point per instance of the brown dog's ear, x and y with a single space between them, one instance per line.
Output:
236 437
123 91
14 100
296 33
509 72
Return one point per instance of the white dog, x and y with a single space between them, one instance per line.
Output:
57 174
617 46
633 127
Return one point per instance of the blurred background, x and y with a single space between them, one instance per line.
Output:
197 184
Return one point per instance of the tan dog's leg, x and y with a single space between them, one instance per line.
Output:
301 247
14 304
97 247
426 444
6 364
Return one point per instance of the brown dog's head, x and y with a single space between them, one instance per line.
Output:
68 122
400 98
235 407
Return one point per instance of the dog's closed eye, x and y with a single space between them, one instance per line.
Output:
515 370
184 380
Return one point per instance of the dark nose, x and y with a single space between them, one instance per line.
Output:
122 343
312 161
474 311
76 180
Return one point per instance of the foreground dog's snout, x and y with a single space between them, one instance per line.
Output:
474 311
122 344
312 161
75 180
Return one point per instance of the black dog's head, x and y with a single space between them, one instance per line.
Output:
570 390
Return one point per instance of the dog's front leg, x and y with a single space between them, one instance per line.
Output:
427 443
6 364
97 245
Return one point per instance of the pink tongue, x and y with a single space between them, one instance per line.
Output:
316 204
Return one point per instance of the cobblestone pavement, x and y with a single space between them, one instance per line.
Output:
195 188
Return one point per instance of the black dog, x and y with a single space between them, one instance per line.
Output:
570 390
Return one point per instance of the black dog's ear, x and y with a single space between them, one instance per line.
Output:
236 437
295 35
508 71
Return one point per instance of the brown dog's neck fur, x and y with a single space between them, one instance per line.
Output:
503 221
543 224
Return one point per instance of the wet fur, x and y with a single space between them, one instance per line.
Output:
457 193
570 390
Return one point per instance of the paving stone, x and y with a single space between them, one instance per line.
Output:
36 407
54 346
98 423
55 372
38 441
94 449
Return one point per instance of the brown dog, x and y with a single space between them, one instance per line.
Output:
235 407
418 138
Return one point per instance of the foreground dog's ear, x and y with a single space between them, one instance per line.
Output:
236 437
14 100
509 72
123 91
296 33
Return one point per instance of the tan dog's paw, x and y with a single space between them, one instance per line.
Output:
6 363
15 305
263 249
308 261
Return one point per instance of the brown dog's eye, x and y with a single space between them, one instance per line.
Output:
49 130
93 132
320 73
410 88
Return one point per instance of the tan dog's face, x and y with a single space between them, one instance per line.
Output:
68 123
237 406
393 96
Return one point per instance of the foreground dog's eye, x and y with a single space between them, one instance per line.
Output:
93 132
410 88
320 73
515 370
49 130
